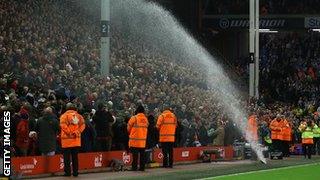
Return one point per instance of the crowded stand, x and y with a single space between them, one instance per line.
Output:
290 76
49 63
46 63
298 75
290 71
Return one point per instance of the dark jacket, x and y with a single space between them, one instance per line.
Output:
121 137
203 136
153 135
47 128
102 121
88 137
178 137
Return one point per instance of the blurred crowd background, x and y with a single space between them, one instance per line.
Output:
49 55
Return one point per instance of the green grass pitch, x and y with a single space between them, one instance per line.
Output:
303 172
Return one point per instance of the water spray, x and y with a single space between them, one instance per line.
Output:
159 29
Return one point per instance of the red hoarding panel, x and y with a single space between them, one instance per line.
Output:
35 165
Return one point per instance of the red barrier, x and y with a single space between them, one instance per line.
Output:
193 153
35 165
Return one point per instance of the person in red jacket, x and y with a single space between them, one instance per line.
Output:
22 133
72 125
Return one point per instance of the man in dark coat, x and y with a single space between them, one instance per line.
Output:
47 128
152 137
203 135
121 138
103 120
153 134
88 135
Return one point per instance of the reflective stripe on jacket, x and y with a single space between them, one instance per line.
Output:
166 124
307 136
137 129
71 133
276 129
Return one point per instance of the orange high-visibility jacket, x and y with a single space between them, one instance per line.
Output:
71 133
286 131
166 124
252 128
276 129
137 129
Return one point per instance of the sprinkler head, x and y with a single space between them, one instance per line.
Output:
263 161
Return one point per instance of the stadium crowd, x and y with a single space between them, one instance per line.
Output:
290 75
47 62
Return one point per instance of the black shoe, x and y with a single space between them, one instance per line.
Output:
132 169
75 175
66 175
170 166
141 170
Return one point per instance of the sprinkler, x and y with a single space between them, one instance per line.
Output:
263 161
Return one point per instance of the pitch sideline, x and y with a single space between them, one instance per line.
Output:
264 170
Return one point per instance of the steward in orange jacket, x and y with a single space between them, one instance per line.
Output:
167 124
252 128
72 124
276 127
137 129
286 131
286 137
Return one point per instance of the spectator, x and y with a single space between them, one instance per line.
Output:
152 138
47 129
22 131
178 137
103 123
203 136
88 137
120 138
219 134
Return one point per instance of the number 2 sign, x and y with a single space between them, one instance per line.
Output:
105 28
